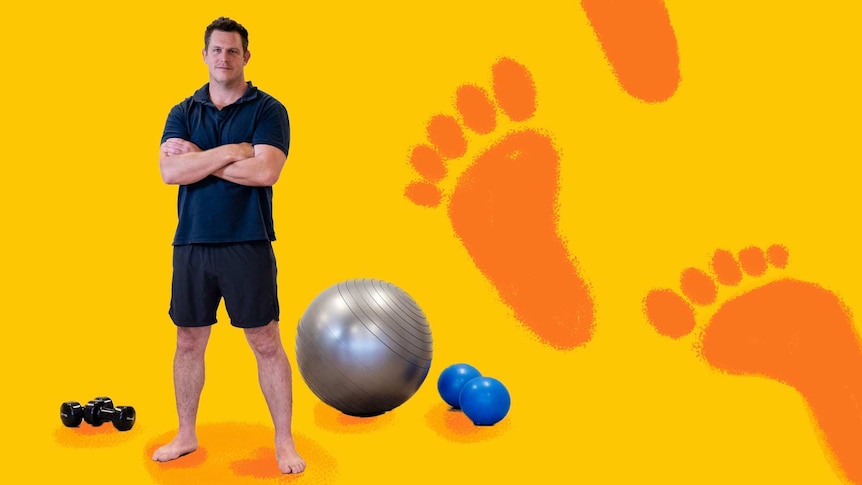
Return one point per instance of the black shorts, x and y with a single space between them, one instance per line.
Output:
244 274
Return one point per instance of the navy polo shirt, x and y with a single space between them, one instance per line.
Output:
214 210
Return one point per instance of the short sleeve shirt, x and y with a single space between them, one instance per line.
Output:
214 210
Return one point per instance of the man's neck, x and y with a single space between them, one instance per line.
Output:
222 95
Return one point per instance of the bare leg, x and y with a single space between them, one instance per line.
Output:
275 382
188 384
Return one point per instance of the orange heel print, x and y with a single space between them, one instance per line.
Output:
640 44
503 206
792 331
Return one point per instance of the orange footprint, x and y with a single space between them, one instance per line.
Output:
504 206
640 45
792 331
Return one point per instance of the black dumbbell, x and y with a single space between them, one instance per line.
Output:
98 411
71 413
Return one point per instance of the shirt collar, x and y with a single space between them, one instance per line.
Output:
202 95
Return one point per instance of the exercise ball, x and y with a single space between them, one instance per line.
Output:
363 346
485 401
452 380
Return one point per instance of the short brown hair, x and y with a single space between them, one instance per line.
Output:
226 24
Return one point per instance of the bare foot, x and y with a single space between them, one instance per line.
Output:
180 446
289 460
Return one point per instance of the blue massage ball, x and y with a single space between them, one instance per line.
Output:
485 401
452 380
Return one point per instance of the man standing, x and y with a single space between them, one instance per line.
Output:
225 147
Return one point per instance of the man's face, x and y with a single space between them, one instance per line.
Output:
225 57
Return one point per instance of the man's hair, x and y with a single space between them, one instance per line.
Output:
225 24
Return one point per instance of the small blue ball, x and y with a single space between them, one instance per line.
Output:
452 380
485 401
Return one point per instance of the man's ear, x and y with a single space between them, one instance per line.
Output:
247 56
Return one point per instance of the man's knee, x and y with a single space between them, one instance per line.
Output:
192 339
265 340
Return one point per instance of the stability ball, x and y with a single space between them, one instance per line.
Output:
363 346
452 380
485 400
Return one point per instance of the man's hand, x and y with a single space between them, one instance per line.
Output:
244 150
262 169
178 146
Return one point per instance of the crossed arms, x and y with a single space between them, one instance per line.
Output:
183 163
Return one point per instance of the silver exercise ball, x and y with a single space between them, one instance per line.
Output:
363 346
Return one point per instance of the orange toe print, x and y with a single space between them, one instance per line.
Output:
514 89
777 256
478 110
446 134
428 163
670 314
698 286
503 209
788 330
753 261
423 193
726 268
639 42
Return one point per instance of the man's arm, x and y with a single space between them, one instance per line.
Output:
260 170
183 163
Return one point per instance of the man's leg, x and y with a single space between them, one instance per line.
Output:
188 384
273 370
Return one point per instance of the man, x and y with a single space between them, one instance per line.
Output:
225 147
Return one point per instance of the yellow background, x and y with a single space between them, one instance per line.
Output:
759 145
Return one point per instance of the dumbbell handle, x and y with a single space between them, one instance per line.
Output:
123 417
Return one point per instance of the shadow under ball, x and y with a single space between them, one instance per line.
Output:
363 346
